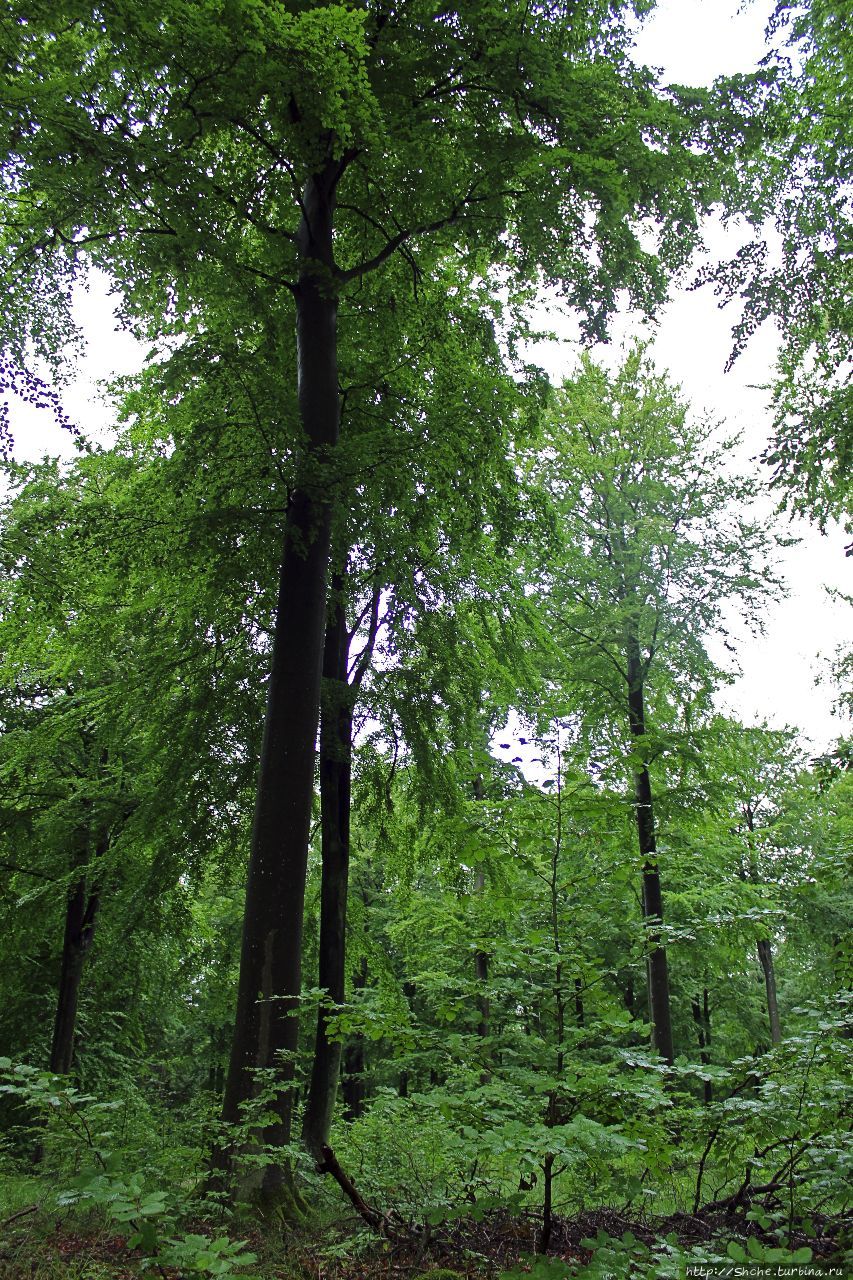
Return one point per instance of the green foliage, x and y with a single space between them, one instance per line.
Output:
540 1268
497 548
798 177
667 1260
79 1141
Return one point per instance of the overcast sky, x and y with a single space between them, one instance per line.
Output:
692 41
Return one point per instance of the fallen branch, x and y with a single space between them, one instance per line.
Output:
748 1191
22 1213
329 1164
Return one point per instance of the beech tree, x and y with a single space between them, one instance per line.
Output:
120 745
656 538
271 159
441 424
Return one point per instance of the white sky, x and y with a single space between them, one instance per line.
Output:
692 41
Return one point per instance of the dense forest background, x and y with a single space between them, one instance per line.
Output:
383 889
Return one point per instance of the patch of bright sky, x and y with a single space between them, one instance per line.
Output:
108 352
692 41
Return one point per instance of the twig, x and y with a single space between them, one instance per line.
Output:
21 1213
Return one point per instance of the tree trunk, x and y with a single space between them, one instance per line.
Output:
80 913
335 784
765 956
765 950
656 963
545 1231
352 1081
481 958
702 1019
579 1008
267 1018
481 972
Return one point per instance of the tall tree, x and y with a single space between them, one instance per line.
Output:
271 158
656 537
458 392
129 690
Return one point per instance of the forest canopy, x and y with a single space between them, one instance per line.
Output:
385 890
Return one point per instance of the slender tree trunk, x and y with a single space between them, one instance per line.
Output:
544 1241
80 914
335 785
702 1019
552 1115
657 970
481 969
765 956
579 1009
352 1081
481 957
764 946
628 996
267 1018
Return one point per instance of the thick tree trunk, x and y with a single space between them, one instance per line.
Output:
335 785
656 963
765 956
80 914
267 1018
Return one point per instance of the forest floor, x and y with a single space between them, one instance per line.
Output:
38 1247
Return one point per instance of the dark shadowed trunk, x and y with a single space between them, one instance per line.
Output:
656 964
481 957
80 915
267 1018
335 784
553 1115
628 996
764 945
340 689
702 1019
481 970
765 956
352 1080
579 1009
